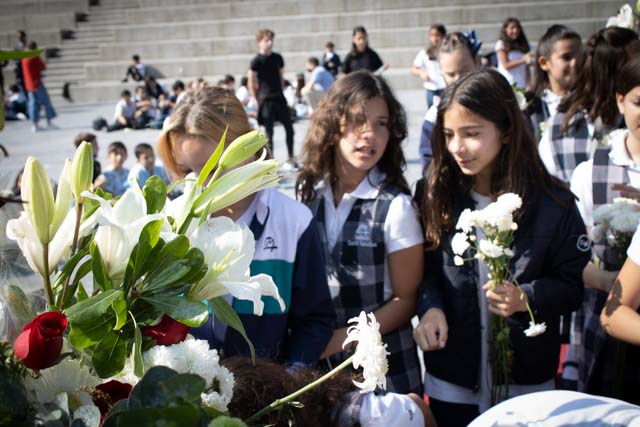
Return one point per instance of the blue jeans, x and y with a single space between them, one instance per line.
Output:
38 99
432 94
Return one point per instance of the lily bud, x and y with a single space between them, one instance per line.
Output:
82 170
241 149
63 197
236 185
38 195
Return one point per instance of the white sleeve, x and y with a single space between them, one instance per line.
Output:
390 410
546 154
582 187
419 61
499 45
118 111
633 252
402 227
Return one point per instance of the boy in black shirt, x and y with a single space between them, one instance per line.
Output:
265 73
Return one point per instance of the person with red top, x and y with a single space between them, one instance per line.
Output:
36 91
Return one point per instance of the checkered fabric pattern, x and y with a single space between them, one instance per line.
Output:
349 415
358 261
594 338
572 147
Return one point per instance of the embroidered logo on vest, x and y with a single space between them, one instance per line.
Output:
584 243
362 236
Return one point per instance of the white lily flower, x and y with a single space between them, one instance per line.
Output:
235 185
23 232
370 352
120 226
39 200
535 329
228 250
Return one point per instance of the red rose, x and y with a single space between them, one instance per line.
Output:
109 394
39 344
167 332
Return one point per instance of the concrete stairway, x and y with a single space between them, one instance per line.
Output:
205 38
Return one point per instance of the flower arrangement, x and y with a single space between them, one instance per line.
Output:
615 223
497 226
124 280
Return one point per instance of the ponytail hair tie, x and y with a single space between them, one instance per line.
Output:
473 41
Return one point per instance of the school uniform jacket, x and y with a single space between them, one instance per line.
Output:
551 248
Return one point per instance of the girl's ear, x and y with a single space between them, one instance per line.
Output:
620 102
543 63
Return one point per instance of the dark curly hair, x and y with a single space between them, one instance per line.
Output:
344 103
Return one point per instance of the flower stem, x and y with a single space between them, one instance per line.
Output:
47 279
279 402
74 247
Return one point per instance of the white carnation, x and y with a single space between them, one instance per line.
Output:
510 202
457 260
535 329
460 243
219 399
466 221
625 222
490 249
69 377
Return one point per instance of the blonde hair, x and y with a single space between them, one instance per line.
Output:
204 115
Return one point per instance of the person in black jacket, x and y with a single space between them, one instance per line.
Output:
480 153
362 57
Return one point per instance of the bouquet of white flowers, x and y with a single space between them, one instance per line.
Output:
615 224
494 250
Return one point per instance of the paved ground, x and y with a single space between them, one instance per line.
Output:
51 147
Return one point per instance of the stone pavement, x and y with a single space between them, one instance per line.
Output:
51 147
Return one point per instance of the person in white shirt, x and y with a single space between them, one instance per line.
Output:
425 65
512 49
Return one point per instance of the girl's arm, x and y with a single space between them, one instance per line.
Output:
405 273
502 57
619 316
419 72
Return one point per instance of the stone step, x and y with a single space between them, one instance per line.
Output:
313 43
38 7
109 91
45 38
222 64
32 22
407 18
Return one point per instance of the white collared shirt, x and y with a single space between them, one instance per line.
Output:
582 182
551 100
402 228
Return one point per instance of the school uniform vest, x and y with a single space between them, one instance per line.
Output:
601 353
358 261
572 147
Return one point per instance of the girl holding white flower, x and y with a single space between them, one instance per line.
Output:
614 171
295 329
352 179
479 154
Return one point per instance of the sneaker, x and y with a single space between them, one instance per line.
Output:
36 128
51 126
289 166
22 116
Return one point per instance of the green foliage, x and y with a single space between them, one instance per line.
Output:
226 314
162 397
15 409
155 194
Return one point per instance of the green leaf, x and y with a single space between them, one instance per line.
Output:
120 309
136 352
168 275
7 55
213 160
90 205
162 387
190 313
100 275
110 354
82 271
226 314
225 421
144 253
82 293
94 307
83 335
66 270
155 194
176 416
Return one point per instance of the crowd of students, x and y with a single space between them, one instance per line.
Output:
357 239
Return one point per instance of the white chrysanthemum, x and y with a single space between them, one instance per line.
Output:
490 249
69 377
535 329
627 201
460 243
499 215
195 357
466 221
626 222
510 202
370 352
220 399
603 213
